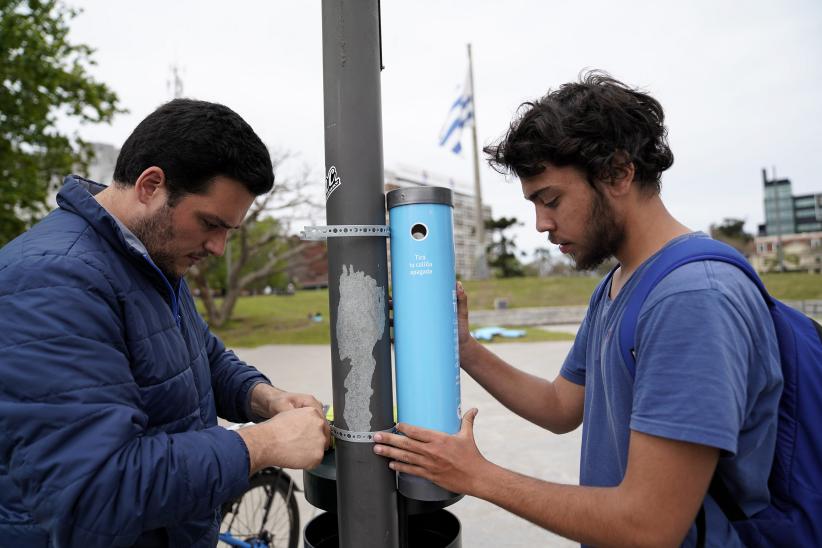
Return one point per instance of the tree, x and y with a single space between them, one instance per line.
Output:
260 251
502 256
732 232
545 264
542 264
43 78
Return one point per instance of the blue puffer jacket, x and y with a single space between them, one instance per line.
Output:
110 387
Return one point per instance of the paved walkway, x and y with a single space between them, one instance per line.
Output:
501 436
547 315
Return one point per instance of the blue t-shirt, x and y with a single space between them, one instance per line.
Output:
707 372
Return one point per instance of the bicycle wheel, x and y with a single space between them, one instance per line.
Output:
267 512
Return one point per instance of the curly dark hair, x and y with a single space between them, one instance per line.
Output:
598 125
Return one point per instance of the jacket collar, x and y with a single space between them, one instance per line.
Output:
77 196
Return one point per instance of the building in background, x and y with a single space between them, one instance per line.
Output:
807 213
465 234
101 168
790 240
309 269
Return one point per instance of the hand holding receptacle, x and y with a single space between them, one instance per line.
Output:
451 461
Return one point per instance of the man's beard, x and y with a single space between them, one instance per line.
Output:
603 235
156 232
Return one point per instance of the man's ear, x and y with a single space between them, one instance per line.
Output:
151 187
623 172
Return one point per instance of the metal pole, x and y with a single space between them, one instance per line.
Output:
481 262
358 275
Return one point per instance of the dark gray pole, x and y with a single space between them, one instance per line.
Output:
357 271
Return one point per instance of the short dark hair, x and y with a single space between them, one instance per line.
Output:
193 142
598 125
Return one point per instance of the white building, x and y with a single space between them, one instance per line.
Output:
101 169
790 240
465 237
800 253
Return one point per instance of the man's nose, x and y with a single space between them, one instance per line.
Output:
545 222
216 244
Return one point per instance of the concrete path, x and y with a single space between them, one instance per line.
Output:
547 315
501 436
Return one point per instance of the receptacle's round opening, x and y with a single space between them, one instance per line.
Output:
419 231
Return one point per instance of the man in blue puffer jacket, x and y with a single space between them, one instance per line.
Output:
110 381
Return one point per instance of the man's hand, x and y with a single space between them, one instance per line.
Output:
292 400
452 462
267 401
464 335
295 438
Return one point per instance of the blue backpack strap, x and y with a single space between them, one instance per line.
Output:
601 288
669 259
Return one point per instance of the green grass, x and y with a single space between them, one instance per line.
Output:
570 291
530 292
275 319
794 287
284 319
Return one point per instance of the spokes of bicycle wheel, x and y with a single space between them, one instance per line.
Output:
262 515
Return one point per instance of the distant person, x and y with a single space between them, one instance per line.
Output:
590 156
111 381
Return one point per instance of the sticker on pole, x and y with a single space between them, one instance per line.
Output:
332 182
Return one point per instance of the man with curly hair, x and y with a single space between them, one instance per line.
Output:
704 397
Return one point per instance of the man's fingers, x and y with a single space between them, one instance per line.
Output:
399 455
406 468
468 417
305 400
467 426
403 442
327 433
462 299
421 434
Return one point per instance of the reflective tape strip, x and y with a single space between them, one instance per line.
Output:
344 231
358 437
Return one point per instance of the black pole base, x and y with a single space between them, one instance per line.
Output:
320 486
440 529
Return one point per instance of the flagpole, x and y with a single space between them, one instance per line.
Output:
481 263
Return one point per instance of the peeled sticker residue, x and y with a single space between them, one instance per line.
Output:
360 326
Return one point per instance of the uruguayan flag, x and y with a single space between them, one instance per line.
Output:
460 116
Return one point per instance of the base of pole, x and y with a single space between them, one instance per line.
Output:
440 529
320 486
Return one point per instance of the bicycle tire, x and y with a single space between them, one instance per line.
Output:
245 517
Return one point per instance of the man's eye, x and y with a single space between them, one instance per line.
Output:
210 226
552 204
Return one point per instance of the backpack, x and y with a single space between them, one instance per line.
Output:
794 517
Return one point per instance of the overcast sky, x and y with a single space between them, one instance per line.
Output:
741 82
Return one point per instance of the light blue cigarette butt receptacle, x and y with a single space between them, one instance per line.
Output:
426 352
